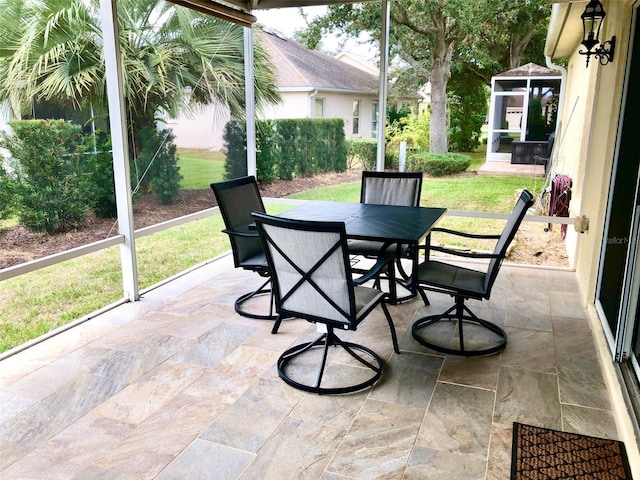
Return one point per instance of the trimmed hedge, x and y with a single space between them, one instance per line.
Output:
288 148
438 165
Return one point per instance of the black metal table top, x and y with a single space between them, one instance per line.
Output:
367 221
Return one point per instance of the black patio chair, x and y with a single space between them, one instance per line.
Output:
237 198
389 188
312 280
463 283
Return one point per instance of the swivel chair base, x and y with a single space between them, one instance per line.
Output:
262 290
366 357
457 313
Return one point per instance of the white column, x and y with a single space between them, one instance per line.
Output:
120 147
382 98
250 101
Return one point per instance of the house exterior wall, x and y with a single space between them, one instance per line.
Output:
591 120
205 128
202 130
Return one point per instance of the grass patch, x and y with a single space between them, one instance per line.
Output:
480 193
38 302
199 168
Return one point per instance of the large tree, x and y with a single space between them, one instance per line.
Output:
174 59
429 35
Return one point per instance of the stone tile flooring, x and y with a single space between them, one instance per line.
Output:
177 386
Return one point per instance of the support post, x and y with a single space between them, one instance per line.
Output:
250 101
120 147
382 95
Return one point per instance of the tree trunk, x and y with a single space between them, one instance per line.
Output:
440 75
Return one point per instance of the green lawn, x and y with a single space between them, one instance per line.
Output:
199 168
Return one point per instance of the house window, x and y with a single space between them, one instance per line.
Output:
356 117
374 119
319 108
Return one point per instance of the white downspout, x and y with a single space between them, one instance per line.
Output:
311 98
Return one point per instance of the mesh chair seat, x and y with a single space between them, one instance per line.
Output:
255 262
464 280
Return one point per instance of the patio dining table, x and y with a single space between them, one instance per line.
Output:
389 224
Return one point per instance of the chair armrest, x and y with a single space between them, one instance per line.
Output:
467 235
375 270
236 233
465 254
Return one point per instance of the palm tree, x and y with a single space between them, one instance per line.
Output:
174 59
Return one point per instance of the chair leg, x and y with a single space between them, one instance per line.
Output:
460 313
238 305
364 355
394 336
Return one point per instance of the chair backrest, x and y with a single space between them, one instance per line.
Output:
237 198
525 201
391 188
310 271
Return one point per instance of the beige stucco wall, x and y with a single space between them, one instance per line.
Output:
587 153
203 129
588 138
206 127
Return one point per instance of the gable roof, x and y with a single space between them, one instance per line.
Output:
297 67
530 70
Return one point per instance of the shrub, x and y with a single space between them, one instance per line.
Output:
363 150
53 180
412 129
158 164
438 165
7 193
268 153
235 143
287 148
98 148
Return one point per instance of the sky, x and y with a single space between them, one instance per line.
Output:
287 20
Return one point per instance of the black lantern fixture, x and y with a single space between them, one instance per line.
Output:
592 18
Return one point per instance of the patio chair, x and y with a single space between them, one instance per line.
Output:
237 199
389 188
463 283
312 280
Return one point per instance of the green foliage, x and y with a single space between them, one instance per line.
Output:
53 179
468 109
288 148
103 192
157 164
438 165
412 128
7 193
363 150
235 143
268 155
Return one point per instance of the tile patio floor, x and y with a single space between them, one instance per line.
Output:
177 386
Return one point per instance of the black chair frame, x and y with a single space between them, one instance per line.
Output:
459 312
367 357
246 246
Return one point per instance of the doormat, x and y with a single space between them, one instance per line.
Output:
543 454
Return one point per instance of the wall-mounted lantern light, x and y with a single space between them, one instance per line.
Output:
591 23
